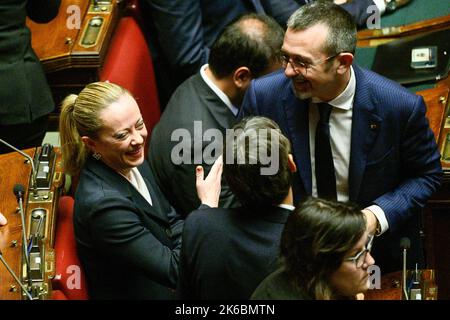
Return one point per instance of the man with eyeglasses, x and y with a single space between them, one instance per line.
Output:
183 31
356 135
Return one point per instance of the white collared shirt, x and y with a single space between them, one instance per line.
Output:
217 91
286 206
340 140
138 182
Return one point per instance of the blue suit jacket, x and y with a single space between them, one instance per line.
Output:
394 160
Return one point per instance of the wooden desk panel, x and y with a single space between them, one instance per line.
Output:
58 44
14 170
68 64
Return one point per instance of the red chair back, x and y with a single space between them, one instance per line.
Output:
70 279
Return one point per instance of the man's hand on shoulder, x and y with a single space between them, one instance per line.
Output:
372 225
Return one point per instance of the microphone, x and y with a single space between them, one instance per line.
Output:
30 160
15 277
405 244
19 192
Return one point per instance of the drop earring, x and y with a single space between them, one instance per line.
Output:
96 155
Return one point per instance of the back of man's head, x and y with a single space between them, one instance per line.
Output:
256 162
341 26
251 41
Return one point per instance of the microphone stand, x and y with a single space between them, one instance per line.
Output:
24 240
15 277
33 170
405 291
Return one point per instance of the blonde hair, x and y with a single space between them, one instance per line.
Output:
80 116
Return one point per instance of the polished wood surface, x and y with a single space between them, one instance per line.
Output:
58 44
436 100
69 65
376 37
14 170
390 288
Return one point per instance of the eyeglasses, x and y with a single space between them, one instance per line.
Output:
360 257
298 64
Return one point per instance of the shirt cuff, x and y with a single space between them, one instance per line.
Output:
381 5
381 217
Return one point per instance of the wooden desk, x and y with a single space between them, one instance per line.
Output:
390 288
14 170
73 55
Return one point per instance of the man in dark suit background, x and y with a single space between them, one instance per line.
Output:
182 31
25 98
211 99
226 253
356 135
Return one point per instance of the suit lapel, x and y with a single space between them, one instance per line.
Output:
366 124
156 207
296 114
125 188
216 107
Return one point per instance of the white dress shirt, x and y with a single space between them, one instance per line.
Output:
138 182
217 91
340 140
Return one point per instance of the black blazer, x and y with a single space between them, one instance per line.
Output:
192 101
226 253
278 286
24 92
128 248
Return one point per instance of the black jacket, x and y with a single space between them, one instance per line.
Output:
128 248
24 92
226 253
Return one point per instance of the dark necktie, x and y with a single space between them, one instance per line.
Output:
325 175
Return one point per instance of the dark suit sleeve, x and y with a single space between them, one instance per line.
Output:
358 10
42 11
421 169
184 287
180 32
118 231
281 10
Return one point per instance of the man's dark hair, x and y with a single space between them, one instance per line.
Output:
251 187
341 26
251 41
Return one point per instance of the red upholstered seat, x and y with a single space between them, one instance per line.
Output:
69 279
58 295
129 64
